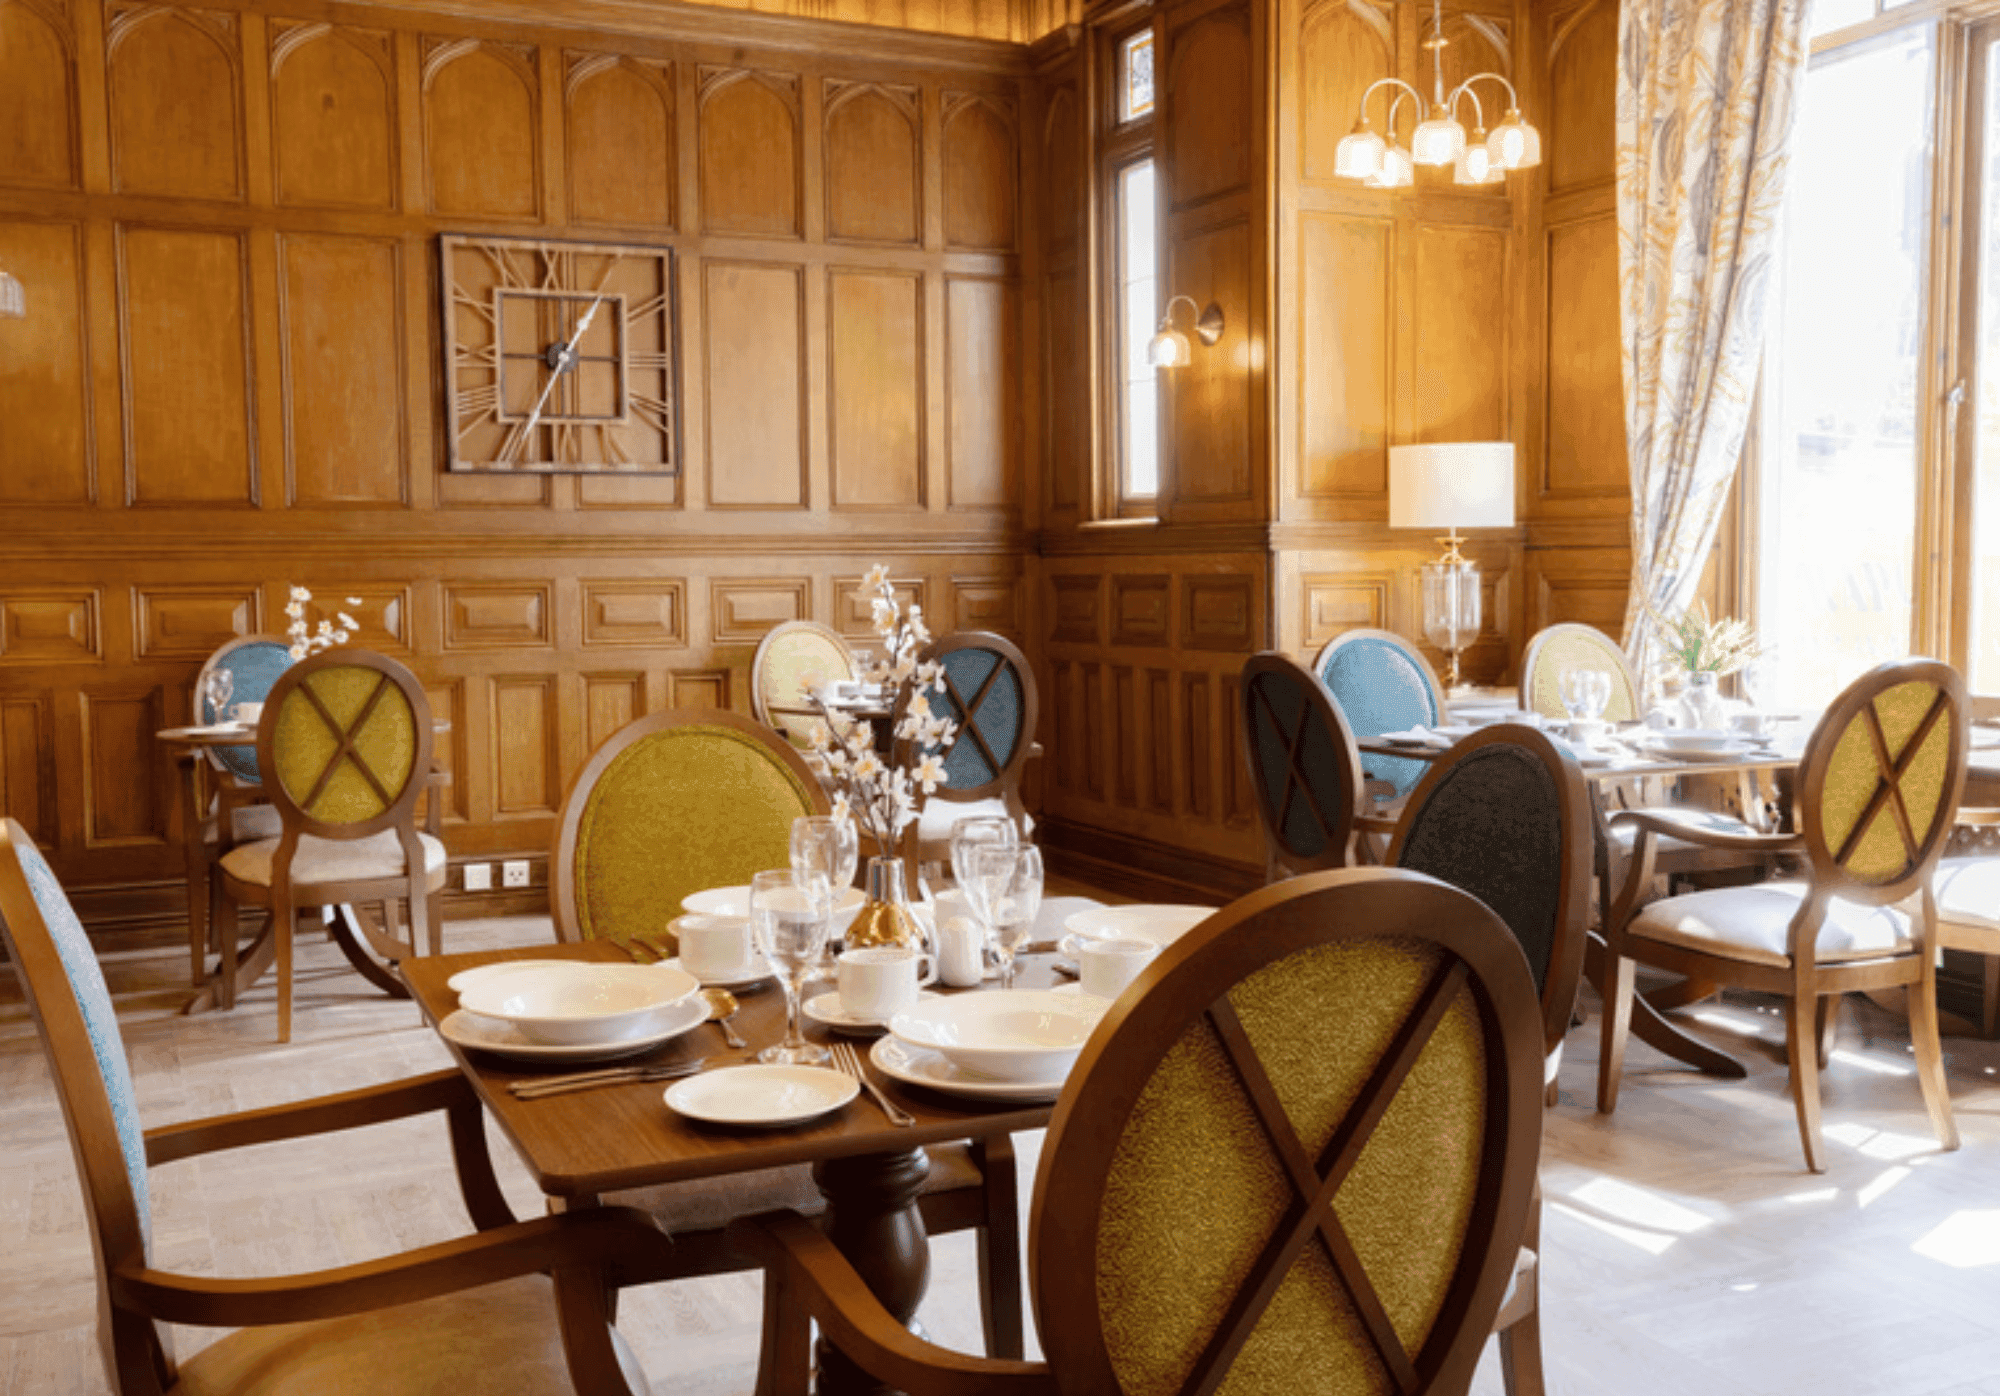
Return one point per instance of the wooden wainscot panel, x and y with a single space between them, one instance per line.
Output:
750 165
333 112
45 448
190 622
1239 809
449 749
481 113
1063 182
186 348
980 172
1091 750
1219 613
647 613
1076 608
346 426
1588 586
610 702
37 94
1199 741
698 688
526 759
1065 388
875 390
176 101
743 608
1586 385
50 628
874 160
1159 728
753 320
1580 139
1210 397
382 612
853 608
1337 604
1461 347
1125 736
1142 610
1345 45
122 800
1062 722
619 113
981 400
1348 332
498 615
1210 119
27 767
985 603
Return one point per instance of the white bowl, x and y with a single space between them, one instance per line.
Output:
579 1003
1011 1035
735 901
1693 738
1162 924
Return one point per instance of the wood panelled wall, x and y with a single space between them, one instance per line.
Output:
226 221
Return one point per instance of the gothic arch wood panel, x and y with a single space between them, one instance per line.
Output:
333 110
873 164
1062 164
1210 123
480 118
1345 46
750 158
175 102
37 97
980 173
1583 77
45 446
620 124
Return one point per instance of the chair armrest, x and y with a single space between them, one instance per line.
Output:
606 1239
812 1274
1692 826
416 1095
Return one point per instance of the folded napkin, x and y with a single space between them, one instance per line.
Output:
1417 736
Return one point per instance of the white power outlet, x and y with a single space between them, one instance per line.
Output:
478 877
514 873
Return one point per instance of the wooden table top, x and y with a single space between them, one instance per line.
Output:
1771 759
598 1141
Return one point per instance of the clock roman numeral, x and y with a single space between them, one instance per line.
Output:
646 359
477 404
654 410
503 263
656 306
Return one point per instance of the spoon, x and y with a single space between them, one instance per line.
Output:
721 1008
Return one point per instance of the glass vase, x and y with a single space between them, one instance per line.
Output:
886 917
1701 703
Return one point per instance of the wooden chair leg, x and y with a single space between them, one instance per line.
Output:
1802 1050
284 918
1922 999
1617 1016
784 1360
1827 1023
222 920
1521 1354
1000 1249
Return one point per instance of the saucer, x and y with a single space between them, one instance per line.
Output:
762 1096
925 1066
828 1011
463 1028
756 972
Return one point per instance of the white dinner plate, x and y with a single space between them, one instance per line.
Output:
925 1066
1161 923
466 1029
1721 751
1415 736
735 901
828 1011
466 978
759 972
764 1096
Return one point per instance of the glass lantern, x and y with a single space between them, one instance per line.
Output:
1451 609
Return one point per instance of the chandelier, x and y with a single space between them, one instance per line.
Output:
1480 158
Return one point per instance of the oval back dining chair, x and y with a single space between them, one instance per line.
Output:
441 1318
1303 767
1556 648
673 803
1878 786
989 691
345 747
1382 685
253 663
1297 1155
794 658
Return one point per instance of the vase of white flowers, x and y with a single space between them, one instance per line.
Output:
305 640
884 793
1700 652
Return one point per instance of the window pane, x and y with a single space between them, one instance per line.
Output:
1135 76
1138 315
1829 15
1985 617
1838 505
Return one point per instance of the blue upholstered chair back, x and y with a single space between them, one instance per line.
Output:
1382 685
253 665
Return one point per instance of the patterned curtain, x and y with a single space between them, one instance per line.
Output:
1706 94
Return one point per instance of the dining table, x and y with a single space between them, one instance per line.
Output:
584 1146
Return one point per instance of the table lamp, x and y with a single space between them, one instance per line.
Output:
1452 485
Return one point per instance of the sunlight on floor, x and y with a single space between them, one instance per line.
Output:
1964 1241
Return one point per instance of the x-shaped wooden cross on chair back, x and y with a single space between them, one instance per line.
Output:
1301 1159
351 739
1303 763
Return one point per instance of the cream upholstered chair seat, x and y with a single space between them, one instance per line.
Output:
1968 892
934 824
413 1350
708 1204
334 860
1753 924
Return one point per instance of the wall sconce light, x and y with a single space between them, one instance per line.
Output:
13 300
1169 347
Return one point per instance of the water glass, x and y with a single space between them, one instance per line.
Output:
1586 693
977 831
1005 888
216 687
824 844
790 914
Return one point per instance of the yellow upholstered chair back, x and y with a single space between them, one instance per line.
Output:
347 734
1298 1154
1881 777
1560 647
674 803
793 659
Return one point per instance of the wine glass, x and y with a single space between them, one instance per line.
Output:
790 913
976 831
826 844
1586 693
1005 888
216 687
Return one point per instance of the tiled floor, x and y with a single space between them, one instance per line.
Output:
1685 1248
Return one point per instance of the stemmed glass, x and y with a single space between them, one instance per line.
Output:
975 832
790 914
1005 888
827 845
1586 693
216 687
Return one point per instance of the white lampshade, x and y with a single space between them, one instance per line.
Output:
1460 484
1359 154
13 300
1437 140
1514 144
1475 163
1398 170
1167 349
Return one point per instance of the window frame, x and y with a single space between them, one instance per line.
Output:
1125 143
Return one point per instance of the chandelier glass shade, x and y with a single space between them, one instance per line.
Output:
13 300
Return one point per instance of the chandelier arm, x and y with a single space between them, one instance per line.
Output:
1415 95
1167 315
1513 98
1478 111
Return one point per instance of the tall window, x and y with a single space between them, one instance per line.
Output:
1132 264
1978 627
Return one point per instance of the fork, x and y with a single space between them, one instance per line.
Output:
535 1087
847 1062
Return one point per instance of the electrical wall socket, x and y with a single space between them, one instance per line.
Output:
478 877
514 873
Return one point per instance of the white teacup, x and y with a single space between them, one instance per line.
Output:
1106 966
1589 732
249 713
881 981
714 947
1752 724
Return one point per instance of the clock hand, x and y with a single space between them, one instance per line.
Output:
582 326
